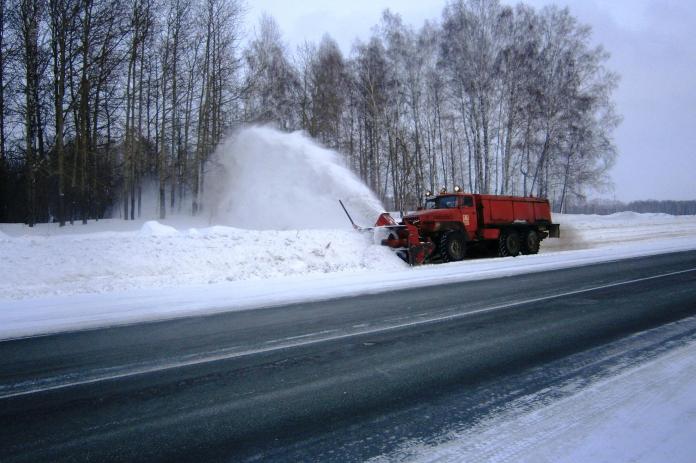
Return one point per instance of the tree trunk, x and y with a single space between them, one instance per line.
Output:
2 94
29 14
58 48
161 158
202 117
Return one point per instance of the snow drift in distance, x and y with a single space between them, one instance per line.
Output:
270 180
154 228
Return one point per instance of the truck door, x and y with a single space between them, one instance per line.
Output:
469 218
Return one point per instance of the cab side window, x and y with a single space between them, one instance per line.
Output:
467 201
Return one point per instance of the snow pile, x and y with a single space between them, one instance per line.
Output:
158 255
270 180
154 228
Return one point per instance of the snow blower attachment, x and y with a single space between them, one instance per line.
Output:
402 238
450 223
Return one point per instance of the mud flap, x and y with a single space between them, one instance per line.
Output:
554 230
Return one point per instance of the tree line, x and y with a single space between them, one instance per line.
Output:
103 98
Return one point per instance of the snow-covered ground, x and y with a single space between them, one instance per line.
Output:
113 271
47 261
644 414
592 231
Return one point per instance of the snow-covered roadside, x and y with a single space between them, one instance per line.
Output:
646 414
158 255
53 280
591 231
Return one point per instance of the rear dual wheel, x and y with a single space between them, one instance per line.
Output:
512 244
509 243
531 243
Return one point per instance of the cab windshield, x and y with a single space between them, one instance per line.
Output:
449 202
441 202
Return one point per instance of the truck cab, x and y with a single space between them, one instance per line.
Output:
445 212
462 208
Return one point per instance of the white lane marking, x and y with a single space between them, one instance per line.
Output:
215 358
302 336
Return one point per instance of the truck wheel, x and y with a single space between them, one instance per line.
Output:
509 244
452 246
531 243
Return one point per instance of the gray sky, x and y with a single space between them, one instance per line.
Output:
652 46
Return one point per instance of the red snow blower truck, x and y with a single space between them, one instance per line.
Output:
451 222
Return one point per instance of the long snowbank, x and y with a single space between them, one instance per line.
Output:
159 255
87 276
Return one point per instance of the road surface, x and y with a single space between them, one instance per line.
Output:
318 380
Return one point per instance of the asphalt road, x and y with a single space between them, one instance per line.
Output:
287 383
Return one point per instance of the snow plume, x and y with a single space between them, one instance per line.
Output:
149 201
266 179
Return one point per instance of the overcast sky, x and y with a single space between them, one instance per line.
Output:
652 45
